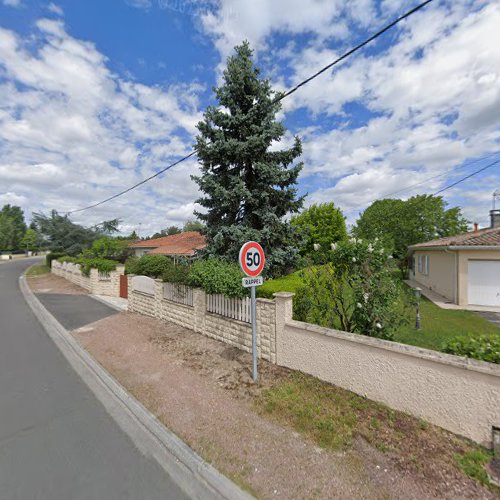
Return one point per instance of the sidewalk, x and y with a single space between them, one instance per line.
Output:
201 389
445 303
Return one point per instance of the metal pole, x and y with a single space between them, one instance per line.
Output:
417 325
254 334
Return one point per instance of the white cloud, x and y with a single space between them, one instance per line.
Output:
55 9
72 132
12 3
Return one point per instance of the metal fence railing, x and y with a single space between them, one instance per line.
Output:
181 294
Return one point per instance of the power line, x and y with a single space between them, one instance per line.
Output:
355 49
440 175
279 98
134 186
466 177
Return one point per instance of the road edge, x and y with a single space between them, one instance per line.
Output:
148 434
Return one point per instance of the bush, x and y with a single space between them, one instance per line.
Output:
104 266
217 276
68 259
153 266
177 273
52 256
108 248
358 291
483 347
290 283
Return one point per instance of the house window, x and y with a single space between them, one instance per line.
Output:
423 264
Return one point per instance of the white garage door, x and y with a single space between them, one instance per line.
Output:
484 282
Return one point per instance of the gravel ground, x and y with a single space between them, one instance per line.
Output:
50 283
202 390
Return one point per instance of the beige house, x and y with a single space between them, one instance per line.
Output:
465 268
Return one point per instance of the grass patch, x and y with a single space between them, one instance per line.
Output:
333 418
441 325
290 283
37 270
473 462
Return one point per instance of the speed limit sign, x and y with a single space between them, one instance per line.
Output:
252 258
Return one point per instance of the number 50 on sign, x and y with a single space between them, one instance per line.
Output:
252 258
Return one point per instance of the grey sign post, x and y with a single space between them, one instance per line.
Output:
252 260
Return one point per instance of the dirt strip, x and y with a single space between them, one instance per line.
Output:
201 389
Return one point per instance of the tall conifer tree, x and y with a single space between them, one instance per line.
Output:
248 187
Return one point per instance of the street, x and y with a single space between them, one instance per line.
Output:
56 439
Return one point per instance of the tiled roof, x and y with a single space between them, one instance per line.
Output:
482 237
176 244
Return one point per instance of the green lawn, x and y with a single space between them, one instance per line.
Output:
290 283
440 325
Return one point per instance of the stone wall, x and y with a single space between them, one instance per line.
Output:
96 283
458 394
216 326
461 395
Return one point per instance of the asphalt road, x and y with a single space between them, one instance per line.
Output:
56 439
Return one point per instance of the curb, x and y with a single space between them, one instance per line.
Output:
178 460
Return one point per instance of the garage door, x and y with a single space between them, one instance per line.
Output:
484 282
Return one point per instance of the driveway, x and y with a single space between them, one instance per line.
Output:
56 439
492 317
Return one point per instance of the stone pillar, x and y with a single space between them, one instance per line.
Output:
130 301
94 281
158 298
284 314
200 309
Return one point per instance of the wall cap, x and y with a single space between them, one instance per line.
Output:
283 295
404 349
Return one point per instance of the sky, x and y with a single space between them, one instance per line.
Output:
95 96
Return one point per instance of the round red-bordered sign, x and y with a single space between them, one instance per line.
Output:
252 258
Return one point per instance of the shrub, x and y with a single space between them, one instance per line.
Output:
68 259
483 347
177 273
358 291
290 283
153 266
217 276
52 256
102 265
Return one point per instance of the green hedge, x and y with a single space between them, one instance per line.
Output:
483 347
217 276
154 266
52 256
289 283
102 265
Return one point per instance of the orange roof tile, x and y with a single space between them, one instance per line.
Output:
175 244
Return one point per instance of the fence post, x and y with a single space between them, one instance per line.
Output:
200 309
130 301
284 314
158 297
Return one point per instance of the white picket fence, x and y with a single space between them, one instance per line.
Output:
182 294
229 307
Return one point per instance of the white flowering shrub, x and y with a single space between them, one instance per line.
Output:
358 290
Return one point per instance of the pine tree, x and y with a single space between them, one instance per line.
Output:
248 188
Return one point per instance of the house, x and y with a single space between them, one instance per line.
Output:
175 245
464 268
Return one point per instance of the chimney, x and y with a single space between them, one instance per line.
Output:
476 227
495 218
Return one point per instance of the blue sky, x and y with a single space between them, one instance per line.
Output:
95 96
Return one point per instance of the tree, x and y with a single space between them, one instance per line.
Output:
172 230
30 240
247 187
320 225
63 235
193 225
12 227
108 248
399 224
